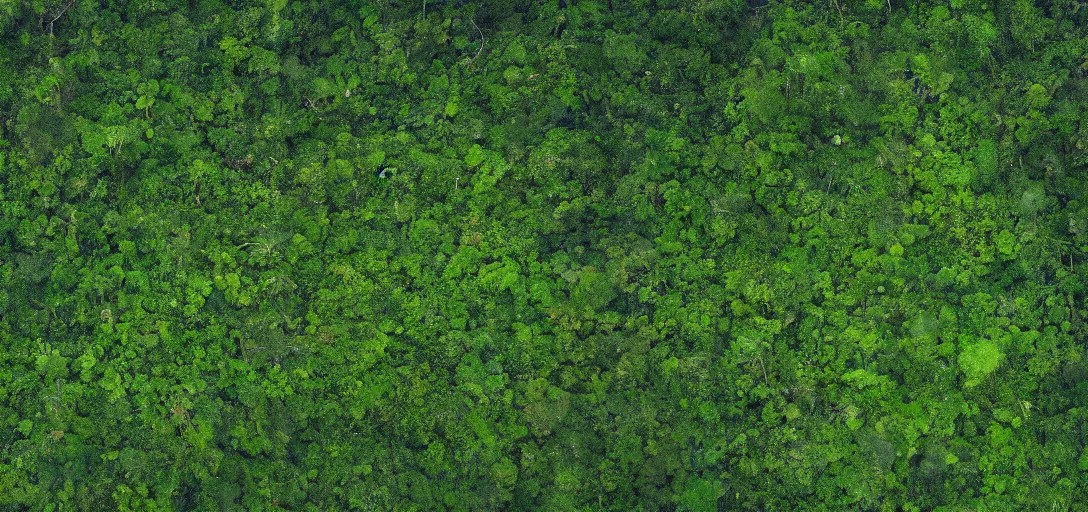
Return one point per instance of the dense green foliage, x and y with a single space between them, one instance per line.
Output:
543 255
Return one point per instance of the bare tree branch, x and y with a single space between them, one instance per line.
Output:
482 40
61 13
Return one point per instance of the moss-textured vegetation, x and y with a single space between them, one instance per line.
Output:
566 255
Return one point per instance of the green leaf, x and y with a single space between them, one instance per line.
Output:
978 360
701 495
475 156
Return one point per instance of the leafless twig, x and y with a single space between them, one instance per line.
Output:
482 40
61 13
